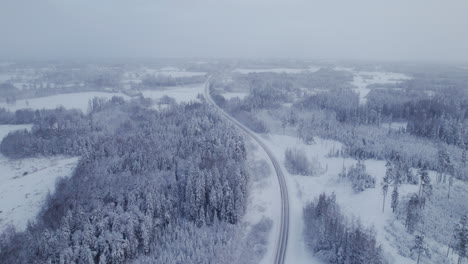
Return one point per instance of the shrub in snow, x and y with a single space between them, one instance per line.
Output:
296 162
358 177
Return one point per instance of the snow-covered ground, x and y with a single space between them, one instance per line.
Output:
137 75
180 93
264 199
5 77
69 101
395 125
276 70
230 95
362 79
173 72
366 205
24 183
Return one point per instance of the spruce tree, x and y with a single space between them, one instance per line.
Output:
386 181
420 247
461 238
394 198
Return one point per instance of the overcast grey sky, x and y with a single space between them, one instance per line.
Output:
327 29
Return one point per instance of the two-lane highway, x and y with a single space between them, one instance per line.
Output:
284 223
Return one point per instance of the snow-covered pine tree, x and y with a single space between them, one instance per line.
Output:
444 164
413 213
386 181
425 187
461 238
394 198
420 247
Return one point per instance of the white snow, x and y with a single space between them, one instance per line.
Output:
179 93
5 77
69 101
5 129
366 205
173 72
230 95
395 125
24 184
362 79
277 70
264 200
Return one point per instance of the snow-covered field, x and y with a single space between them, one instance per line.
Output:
362 79
276 70
24 183
136 76
173 72
366 205
395 125
69 101
180 93
230 95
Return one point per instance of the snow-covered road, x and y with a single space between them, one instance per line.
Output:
282 243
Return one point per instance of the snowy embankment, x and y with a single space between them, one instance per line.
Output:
25 183
367 205
264 199
69 101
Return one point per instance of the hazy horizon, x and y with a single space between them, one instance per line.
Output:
362 30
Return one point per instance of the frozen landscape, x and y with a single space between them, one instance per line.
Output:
233 132
334 134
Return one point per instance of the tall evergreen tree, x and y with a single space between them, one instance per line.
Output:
420 247
386 181
461 238
425 187
394 204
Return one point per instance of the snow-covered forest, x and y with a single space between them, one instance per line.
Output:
149 171
146 180
410 127
233 132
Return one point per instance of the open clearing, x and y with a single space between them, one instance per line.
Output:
72 100
25 183
180 93
367 205
362 79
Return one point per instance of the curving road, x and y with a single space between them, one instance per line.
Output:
284 223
